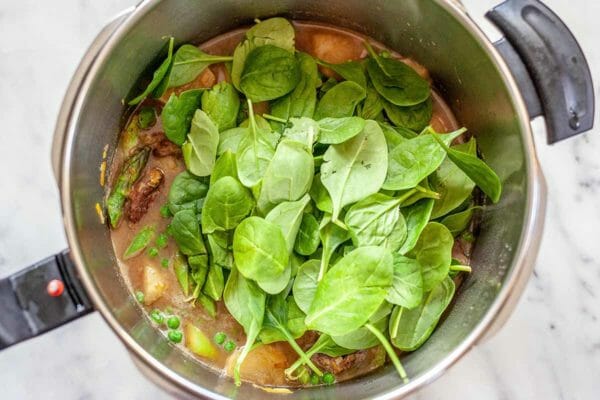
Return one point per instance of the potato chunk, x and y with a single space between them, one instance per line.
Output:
154 285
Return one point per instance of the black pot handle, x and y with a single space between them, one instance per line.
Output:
30 305
548 65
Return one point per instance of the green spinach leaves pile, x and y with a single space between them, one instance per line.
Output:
334 212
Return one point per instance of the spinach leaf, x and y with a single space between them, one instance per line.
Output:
128 175
162 72
230 139
415 117
363 338
189 62
224 166
396 238
186 232
305 284
222 104
140 241
416 216
208 305
318 193
185 192
332 236
351 71
457 223
407 285
340 101
434 253
413 160
389 350
200 149
177 114
453 185
338 130
274 31
324 345
276 327
270 72
227 203
351 291
255 151
302 100
246 303
372 219
356 168
219 246
308 239
198 267
182 273
476 169
288 216
372 106
392 138
303 130
288 176
409 329
215 282
395 81
260 251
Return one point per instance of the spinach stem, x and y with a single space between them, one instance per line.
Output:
430 193
274 118
324 264
390 351
250 339
406 195
204 59
462 268
303 356
396 323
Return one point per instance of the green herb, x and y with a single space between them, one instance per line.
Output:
156 87
200 149
356 168
178 113
139 242
340 101
189 62
221 103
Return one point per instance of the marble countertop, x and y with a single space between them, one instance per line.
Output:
549 349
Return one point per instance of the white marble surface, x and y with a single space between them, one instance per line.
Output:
550 348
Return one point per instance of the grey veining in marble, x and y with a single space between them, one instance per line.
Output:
549 349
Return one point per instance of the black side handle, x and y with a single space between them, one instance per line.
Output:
30 305
548 65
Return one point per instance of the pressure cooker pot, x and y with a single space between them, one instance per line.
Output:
494 89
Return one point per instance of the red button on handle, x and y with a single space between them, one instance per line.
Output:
55 287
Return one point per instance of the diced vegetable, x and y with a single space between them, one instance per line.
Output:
198 342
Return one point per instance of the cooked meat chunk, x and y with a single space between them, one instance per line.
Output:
161 146
336 365
142 194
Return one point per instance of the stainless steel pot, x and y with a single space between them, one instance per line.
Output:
494 90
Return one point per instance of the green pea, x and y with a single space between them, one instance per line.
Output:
175 336
153 252
229 346
146 117
304 376
162 240
220 338
314 379
157 316
139 296
165 212
328 378
164 262
173 322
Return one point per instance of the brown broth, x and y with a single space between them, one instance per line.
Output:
266 364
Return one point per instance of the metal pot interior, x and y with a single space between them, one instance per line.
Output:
435 33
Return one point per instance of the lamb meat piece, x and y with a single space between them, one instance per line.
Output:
337 365
143 193
161 146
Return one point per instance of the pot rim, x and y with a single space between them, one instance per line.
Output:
497 313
